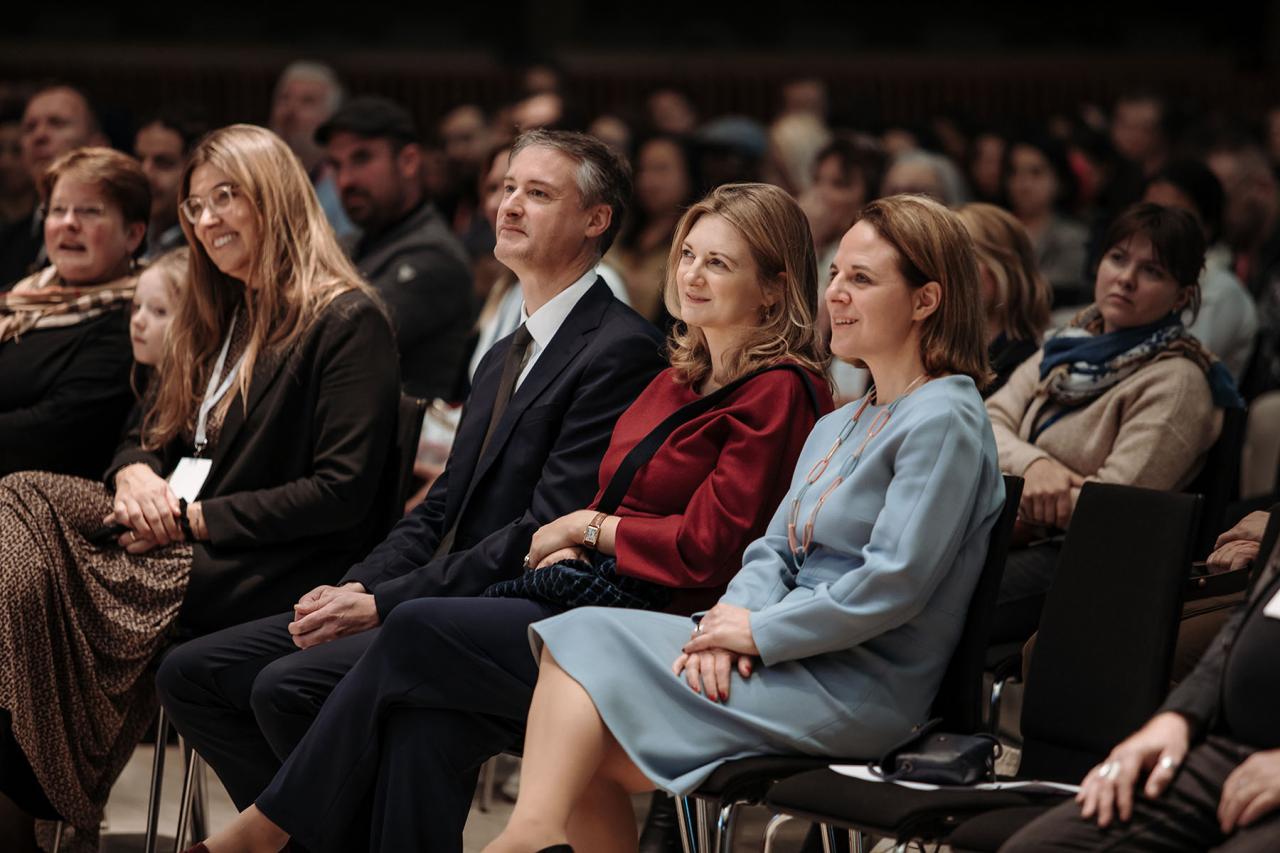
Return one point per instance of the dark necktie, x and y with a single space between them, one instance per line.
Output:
511 368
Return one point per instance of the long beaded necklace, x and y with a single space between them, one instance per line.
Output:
800 548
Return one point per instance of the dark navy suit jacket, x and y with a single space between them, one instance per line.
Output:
542 462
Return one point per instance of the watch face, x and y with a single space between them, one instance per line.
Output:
592 534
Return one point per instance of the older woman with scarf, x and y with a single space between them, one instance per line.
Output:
64 331
1125 394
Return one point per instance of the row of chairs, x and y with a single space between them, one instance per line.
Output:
1100 669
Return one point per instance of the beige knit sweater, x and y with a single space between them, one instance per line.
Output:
1152 429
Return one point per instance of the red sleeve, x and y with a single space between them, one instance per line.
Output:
769 422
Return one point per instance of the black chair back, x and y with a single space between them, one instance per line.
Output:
396 482
1219 481
1102 658
960 700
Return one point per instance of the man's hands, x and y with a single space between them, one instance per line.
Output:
1049 493
329 612
1159 747
1238 547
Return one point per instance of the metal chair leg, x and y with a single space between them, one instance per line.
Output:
829 843
856 842
704 825
726 820
200 801
771 830
57 836
188 797
686 820
157 782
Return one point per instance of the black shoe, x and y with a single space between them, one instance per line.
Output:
661 833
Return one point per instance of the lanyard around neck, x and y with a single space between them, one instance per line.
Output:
217 388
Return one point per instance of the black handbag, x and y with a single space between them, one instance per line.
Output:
578 583
938 758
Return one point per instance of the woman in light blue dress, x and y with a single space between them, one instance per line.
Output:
833 638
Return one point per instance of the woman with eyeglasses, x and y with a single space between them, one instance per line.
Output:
64 331
256 472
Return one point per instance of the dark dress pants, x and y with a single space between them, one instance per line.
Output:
1182 820
444 686
245 696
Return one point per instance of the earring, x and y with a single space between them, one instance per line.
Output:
764 314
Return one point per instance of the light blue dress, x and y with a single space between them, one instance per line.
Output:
855 643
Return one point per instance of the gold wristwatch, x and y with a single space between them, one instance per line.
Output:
592 534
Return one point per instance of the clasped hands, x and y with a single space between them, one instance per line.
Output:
1250 792
329 612
148 507
1238 547
1049 493
721 643
559 541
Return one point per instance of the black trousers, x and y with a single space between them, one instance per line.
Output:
245 696
1182 820
445 685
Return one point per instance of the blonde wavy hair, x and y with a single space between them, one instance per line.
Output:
298 268
1004 248
777 233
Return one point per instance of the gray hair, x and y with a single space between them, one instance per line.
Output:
603 177
951 183
309 69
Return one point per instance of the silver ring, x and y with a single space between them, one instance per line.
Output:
698 629
525 564
1107 770
1167 762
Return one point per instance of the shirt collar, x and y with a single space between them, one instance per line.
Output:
546 321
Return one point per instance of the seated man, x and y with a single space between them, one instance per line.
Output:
1208 763
244 697
405 250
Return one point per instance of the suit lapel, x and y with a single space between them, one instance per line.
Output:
573 334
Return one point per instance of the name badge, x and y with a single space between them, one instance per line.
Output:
1272 610
188 478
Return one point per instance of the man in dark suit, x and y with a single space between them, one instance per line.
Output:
1204 772
527 451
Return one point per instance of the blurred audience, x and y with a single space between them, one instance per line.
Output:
17 191
925 173
986 166
666 182
1227 320
307 93
161 145
671 111
1140 130
1015 296
1041 190
57 118
405 250
64 331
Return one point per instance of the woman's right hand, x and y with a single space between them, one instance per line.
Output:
1048 494
145 503
709 672
1159 746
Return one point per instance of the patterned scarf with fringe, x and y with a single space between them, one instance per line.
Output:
44 301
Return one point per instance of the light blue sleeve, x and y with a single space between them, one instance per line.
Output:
938 471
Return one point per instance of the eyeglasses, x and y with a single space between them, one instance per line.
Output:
218 201
84 212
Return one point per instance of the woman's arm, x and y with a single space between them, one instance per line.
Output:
1006 408
937 486
355 409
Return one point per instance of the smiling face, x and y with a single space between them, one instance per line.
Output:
230 236
1133 288
718 279
152 310
873 309
85 234
542 225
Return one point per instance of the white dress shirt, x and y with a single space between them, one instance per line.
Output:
548 319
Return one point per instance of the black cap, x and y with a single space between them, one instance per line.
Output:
372 117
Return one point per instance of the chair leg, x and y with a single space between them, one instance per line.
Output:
857 842
726 820
829 842
57 836
188 797
200 801
686 820
703 809
771 830
993 708
157 781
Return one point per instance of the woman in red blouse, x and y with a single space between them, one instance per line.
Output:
742 283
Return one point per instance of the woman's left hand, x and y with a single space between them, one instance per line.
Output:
1251 791
575 553
565 532
725 626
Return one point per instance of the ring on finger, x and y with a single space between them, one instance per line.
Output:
1167 763
1107 770
698 628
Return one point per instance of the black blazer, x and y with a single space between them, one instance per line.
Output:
292 496
542 462
1198 697
64 396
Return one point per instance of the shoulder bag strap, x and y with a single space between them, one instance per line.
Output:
647 446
